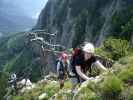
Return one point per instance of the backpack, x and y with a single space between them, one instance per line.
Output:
60 60
77 52
62 67
63 70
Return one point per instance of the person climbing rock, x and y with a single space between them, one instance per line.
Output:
12 89
82 61
62 69
13 80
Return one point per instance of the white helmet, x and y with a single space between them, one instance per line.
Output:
89 47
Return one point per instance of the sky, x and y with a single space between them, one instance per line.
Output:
32 8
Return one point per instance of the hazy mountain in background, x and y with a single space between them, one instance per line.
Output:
18 15
29 7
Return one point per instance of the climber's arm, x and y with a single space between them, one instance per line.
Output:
80 73
99 65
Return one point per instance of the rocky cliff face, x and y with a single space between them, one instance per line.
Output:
76 21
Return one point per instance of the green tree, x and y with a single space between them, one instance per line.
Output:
116 47
120 19
127 30
3 84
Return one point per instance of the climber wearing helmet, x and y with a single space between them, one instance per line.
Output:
13 80
62 68
83 63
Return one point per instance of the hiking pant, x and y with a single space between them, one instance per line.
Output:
75 80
